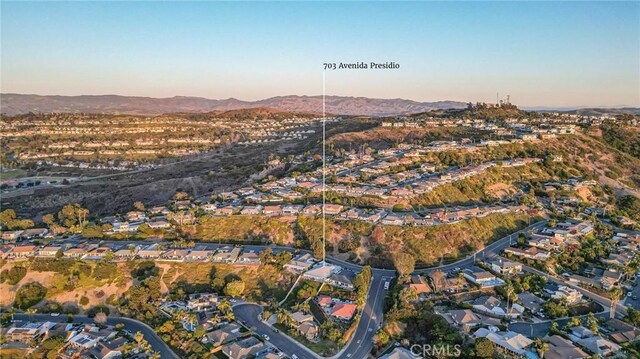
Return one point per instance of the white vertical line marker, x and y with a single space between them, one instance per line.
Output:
324 172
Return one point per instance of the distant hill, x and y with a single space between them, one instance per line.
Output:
589 111
13 104
606 111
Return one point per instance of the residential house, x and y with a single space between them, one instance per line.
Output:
529 253
24 332
492 306
465 318
393 220
198 255
509 342
291 210
324 301
248 257
332 209
558 292
174 254
561 348
599 346
226 254
111 349
341 280
622 332
420 285
321 272
49 251
23 251
506 267
159 224
244 348
482 277
311 210
531 301
150 252
11 236
300 263
305 325
251 210
272 210
400 353
610 278
32 233
202 301
343 311
228 333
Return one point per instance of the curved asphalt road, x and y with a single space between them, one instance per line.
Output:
362 340
131 325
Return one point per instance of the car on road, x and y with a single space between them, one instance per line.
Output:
55 314
275 330
386 285
293 356
266 337
635 297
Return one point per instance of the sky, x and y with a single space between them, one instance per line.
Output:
551 54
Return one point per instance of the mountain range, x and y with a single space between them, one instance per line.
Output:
13 104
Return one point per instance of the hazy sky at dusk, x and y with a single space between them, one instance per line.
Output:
542 54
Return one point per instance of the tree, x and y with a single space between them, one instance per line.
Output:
266 256
92 231
138 337
29 295
30 312
509 292
100 318
48 219
234 288
72 214
138 205
407 295
633 316
592 323
485 348
13 275
282 258
541 347
404 263
615 296
224 306
7 216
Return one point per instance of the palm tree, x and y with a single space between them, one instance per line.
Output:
541 347
615 296
224 305
30 312
230 316
138 337
509 292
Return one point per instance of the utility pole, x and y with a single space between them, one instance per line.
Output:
324 171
